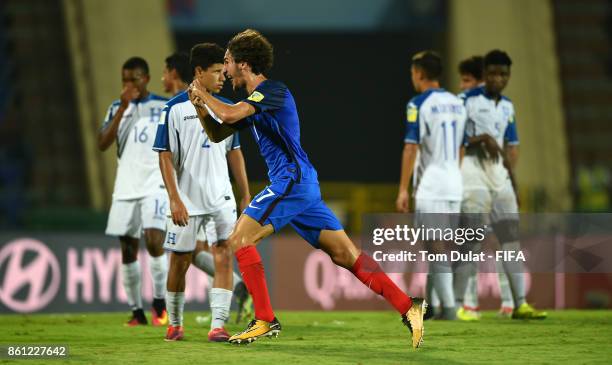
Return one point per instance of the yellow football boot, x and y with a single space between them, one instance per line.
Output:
526 311
467 315
255 330
413 319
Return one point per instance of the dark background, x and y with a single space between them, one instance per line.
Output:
349 133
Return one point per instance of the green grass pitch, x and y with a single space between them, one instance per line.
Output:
568 337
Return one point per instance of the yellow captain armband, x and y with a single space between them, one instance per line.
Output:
256 96
412 114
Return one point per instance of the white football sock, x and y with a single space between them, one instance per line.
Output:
175 302
220 301
132 282
516 276
430 293
471 292
504 287
159 273
442 276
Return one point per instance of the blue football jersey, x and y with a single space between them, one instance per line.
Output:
276 128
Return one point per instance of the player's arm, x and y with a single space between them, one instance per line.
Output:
108 133
408 158
228 113
465 140
411 145
488 143
216 131
164 146
512 154
511 142
238 167
510 164
180 216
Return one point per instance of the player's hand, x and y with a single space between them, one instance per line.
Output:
196 93
492 148
244 202
180 216
128 93
402 204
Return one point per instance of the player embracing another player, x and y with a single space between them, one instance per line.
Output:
176 78
293 196
488 179
196 175
471 76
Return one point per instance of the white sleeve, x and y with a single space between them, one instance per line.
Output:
213 115
110 113
173 138
229 141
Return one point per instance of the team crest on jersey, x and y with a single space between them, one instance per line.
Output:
256 96
411 114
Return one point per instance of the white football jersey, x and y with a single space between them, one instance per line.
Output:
201 165
497 119
485 116
435 120
138 173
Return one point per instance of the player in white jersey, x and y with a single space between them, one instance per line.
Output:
176 77
470 77
434 134
139 198
488 167
200 193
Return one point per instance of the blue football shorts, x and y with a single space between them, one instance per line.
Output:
298 204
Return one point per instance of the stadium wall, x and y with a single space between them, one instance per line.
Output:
102 35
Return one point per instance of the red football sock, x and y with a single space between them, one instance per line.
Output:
370 273
249 264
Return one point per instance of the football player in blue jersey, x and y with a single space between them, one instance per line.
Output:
293 196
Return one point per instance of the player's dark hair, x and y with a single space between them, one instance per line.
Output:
179 61
252 47
136 62
205 55
497 57
430 63
472 66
